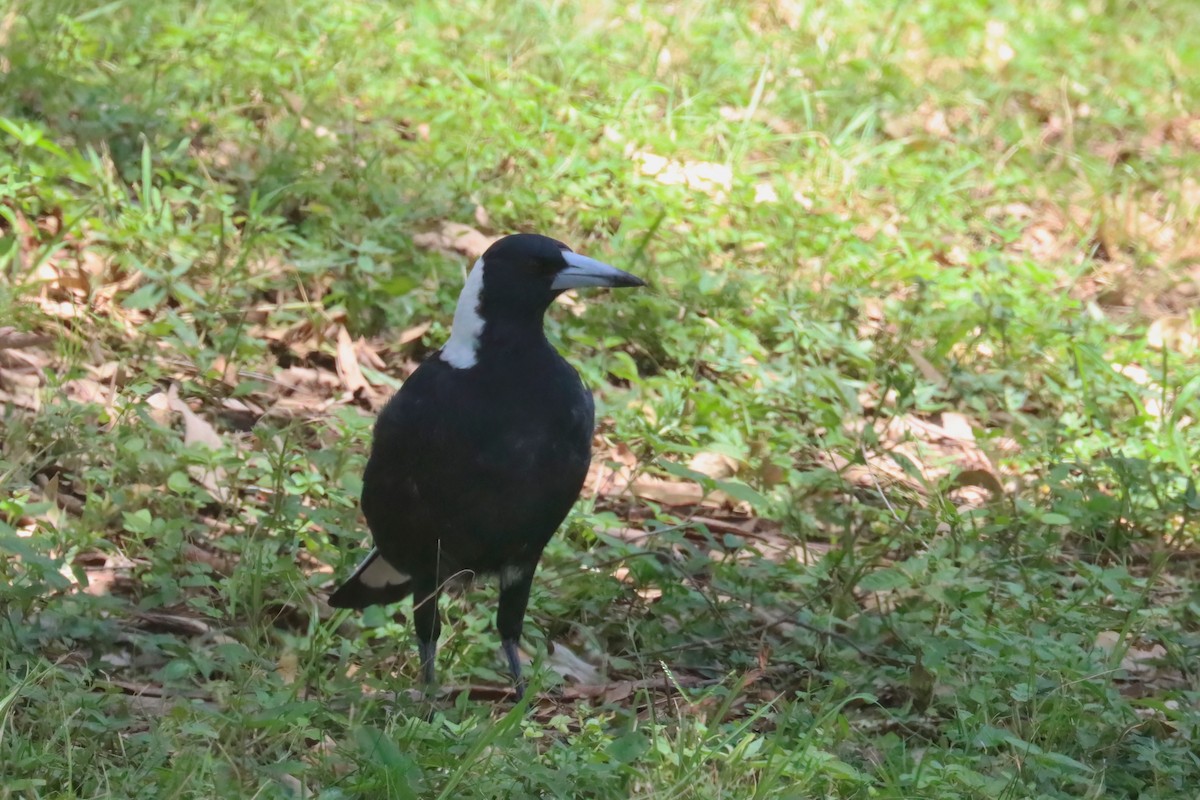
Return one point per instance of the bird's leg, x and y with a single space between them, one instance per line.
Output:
428 625
513 655
510 617
428 654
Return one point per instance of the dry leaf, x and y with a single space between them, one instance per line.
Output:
957 426
572 302
927 369
936 125
571 667
765 192
617 692
983 478
934 451
160 408
288 667
712 179
120 660
13 339
926 118
27 361
717 466
197 431
671 493
1176 333
347 363
611 472
162 622
454 237
413 333
105 572
648 593
997 51
220 563
1140 659
86 390
67 502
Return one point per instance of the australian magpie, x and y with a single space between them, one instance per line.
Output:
483 451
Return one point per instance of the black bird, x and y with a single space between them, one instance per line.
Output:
483 451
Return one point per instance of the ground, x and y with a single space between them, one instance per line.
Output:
894 487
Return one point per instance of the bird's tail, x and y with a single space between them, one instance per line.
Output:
375 582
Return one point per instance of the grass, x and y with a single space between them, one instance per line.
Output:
924 288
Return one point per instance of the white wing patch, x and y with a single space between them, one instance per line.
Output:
376 573
462 350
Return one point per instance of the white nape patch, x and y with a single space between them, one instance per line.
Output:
512 575
376 573
462 350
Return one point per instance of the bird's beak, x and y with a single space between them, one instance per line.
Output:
583 271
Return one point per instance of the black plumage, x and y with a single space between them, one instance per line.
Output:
480 455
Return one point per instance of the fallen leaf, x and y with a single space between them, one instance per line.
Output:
105 571
454 237
1176 333
983 478
571 300
611 473
926 368
765 192
717 466
957 426
1141 660
936 125
220 564
617 692
160 408
708 177
571 667
622 574
412 334
291 784
997 51
288 667
13 339
927 118
920 455
118 660
52 491
347 363
671 493
196 431
86 390
162 622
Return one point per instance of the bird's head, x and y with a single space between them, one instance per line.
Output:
514 282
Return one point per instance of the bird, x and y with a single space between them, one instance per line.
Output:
479 456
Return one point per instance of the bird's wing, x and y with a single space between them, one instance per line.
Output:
409 433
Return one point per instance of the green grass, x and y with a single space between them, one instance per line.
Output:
986 211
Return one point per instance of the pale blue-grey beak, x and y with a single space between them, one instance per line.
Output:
582 271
